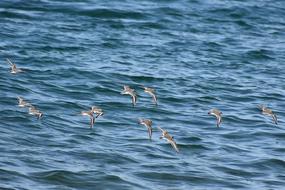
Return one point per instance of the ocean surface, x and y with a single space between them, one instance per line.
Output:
197 54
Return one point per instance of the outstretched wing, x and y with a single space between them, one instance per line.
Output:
134 99
92 121
99 114
160 129
174 145
126 88
219 120
9 62
154 97
149 132
274 117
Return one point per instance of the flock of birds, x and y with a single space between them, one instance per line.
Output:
129 91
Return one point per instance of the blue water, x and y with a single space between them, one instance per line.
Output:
198 55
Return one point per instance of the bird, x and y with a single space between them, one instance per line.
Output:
151 91
36 112
22 103
269 112
217 114
147 123
91 115
97 111
14 68
131 92
170 139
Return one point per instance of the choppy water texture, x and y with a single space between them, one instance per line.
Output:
198 55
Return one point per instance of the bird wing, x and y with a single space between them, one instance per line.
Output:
9 62
174 145
134 99
20 100
39 114
219 120
274 117
149 132
160 129
153 97
92 121
127 88
99 114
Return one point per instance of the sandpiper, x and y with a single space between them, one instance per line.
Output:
131 92
22 103
147 123
97 111
36 112
14 68
151 91
90 114
269 112
170 139
217 114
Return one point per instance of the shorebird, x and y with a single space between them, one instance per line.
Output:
90 114
14 68
217 114
36 112
170 139
22 103
97 111
151 91
131 92
147 123
269 112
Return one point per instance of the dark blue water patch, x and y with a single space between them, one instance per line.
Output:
115 13
149 25
270 164
6 188
81 179
238 172
259 54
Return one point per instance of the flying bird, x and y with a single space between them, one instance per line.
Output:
269 112
170 139
13 66
91 115
97 111
151 91
129 91
147 123
22 103
217 114
35 112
